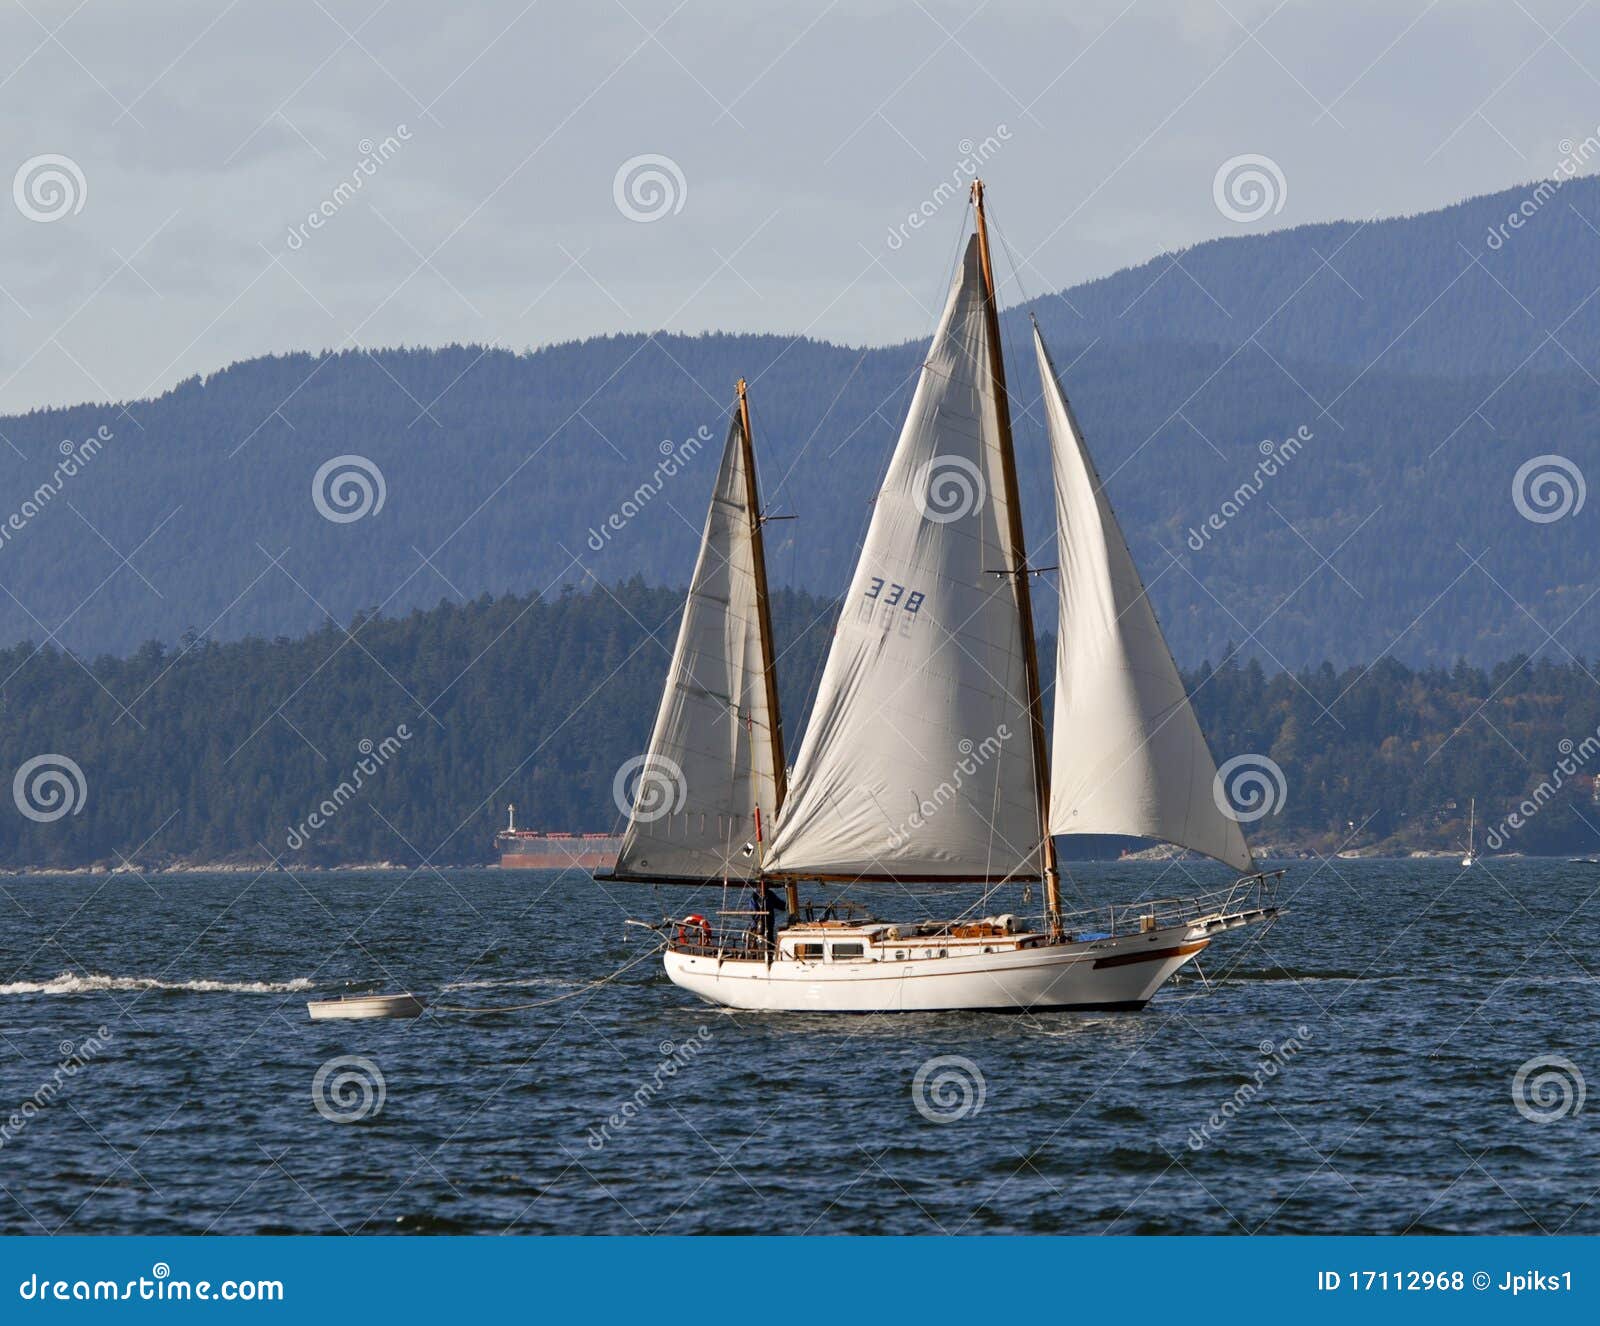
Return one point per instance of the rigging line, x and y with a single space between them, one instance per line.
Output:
1026 302
865 522
543 1003
954 261
1016 271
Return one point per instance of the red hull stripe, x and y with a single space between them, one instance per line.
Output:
1157 954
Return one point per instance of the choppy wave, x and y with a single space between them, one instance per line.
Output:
68 983
516 983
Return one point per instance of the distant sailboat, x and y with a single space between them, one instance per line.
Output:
1471 858
925 758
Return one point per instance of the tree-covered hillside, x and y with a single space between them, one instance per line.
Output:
213 751
1427 367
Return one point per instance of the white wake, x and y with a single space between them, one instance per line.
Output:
68 983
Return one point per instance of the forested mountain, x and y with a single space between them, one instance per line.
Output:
223 750
1426 363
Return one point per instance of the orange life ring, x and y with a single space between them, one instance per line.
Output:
694 921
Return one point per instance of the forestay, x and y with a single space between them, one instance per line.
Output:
710 760
916 763
1128 756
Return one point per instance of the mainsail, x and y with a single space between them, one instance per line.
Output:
714 758
1128 756
917 762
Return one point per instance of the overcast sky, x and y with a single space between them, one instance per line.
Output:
200 139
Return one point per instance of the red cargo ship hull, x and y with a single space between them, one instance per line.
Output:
528 849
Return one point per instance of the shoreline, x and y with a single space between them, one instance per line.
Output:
1147 857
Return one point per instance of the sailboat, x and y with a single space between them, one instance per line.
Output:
926 761
1471 858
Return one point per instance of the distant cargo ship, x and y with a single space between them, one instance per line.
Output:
535 849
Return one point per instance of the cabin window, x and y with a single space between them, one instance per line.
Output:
808 952
844 952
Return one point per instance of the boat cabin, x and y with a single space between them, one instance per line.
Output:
876 941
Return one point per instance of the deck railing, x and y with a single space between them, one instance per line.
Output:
1247 893
741 933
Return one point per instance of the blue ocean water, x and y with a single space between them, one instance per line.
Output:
1408 1050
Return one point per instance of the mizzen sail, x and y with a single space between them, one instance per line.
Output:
917 762
1128 756
714 759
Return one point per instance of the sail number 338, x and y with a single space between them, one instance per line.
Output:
892 604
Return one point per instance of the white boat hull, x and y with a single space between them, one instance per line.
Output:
1123 972
363 1007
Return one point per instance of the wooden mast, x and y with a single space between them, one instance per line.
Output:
1018 555
769 673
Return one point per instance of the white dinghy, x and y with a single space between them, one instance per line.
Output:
925 760
362 1007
